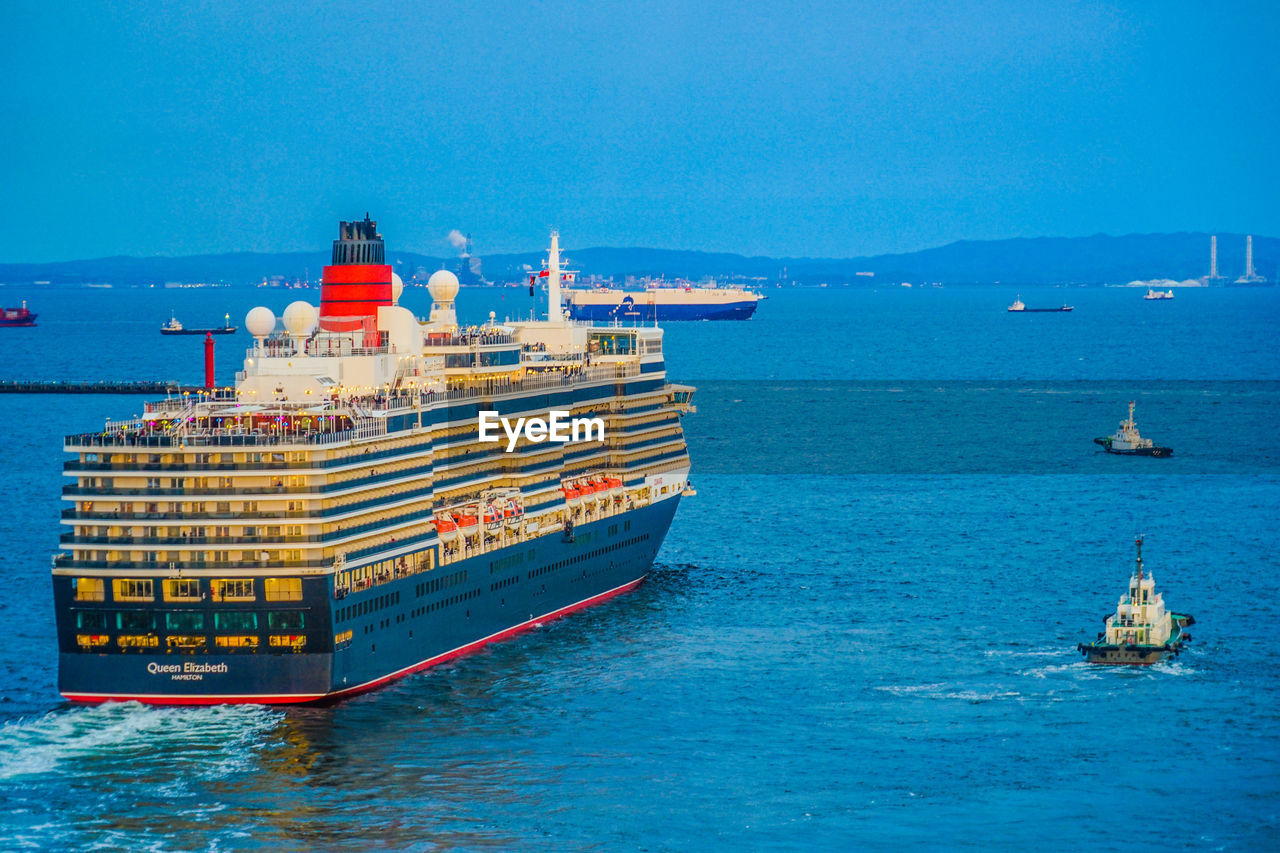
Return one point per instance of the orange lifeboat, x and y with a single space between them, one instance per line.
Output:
492 516
446 528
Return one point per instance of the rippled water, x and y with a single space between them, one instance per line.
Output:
879 655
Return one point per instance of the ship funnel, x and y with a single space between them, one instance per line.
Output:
358 282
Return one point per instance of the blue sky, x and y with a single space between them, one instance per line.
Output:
814 128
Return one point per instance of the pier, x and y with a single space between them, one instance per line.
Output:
101 386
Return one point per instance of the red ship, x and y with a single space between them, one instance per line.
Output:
17 316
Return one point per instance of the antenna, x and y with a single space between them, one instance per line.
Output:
1138 542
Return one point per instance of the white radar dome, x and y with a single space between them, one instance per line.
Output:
299 319
260 322
443 286
397 288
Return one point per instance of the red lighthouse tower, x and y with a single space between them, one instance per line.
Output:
357 283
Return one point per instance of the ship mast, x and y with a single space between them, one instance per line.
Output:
1138 543
554 312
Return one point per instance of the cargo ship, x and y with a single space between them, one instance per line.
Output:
1141 631
656 304
1020 307
174 327
17 316
343 516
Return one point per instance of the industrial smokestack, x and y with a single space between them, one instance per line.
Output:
1248 257
1213 256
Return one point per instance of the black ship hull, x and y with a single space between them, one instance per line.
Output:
369 637
1157 452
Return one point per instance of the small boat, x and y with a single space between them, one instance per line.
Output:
1020 307
1153 295
17 316
1141 631
175 327
1127 441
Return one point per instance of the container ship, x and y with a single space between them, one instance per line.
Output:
342 517
662 303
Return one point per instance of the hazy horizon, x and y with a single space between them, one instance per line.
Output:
1225 249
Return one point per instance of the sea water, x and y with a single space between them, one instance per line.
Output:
859 633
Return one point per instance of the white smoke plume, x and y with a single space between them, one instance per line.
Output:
457 239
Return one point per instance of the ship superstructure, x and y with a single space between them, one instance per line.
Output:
335 521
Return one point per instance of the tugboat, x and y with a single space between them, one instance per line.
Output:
1141 632
1019 306
175 327
1127 442
17 316
1153 295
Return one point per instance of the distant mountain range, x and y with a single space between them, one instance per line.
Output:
1099 259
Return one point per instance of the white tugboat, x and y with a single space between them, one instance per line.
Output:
1153 295
1141 632
1127 441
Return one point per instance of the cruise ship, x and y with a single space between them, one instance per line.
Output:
662 303
343 516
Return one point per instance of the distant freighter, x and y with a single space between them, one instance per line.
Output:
17 316
1020 307
662 303
175 327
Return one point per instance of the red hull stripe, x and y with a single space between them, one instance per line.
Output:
296 698
357 274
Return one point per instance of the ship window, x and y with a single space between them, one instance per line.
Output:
291 641
135 641
182 589
237 641
89 589
285 620
239 589
92 619
185 641
130 589
184 620
283 589
236 620
135 620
